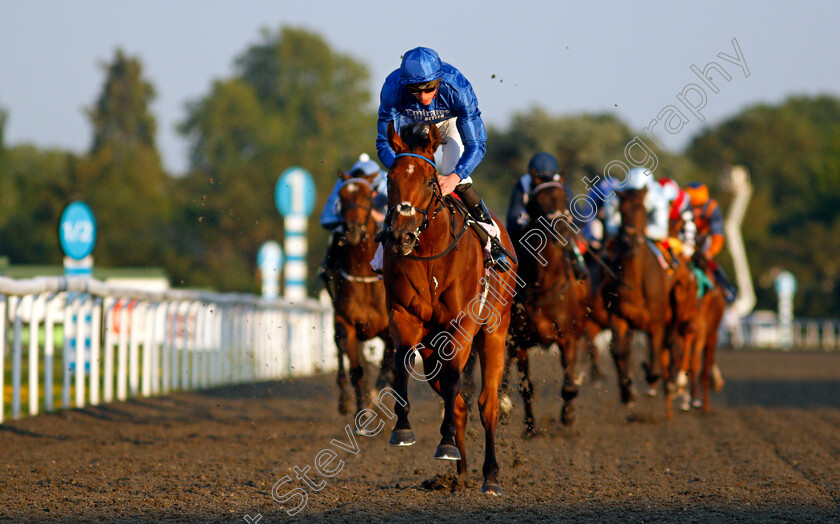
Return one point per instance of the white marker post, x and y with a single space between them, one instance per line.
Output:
270 260
294 196
785 289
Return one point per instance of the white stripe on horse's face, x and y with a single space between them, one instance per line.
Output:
406 209
351 188
410 168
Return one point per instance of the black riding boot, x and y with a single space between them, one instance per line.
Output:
729 291
478 211
328 266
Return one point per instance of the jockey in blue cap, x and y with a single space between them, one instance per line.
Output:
425 89
331 215
542 168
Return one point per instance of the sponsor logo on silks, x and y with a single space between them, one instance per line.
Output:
426 115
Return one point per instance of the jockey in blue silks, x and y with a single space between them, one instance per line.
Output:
425 89
542 167
331 215
607 219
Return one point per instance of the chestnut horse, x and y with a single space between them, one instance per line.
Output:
552 307
359 297
439 300
639 299
703 348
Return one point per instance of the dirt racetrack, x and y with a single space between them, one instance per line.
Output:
769 452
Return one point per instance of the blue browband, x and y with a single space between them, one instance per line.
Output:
417 156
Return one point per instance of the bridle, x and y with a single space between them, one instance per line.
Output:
408 209
353 205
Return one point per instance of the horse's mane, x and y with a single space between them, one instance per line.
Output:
415 135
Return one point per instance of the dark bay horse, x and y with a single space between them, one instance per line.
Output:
359 297
552 306
441 300
639 299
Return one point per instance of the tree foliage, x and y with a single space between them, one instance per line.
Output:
293 101
122 179
793 153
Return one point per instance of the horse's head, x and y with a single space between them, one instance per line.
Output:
413 189
548 197
633 218
356 196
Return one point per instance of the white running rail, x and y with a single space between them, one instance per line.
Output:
136 342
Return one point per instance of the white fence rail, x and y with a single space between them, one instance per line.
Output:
117 343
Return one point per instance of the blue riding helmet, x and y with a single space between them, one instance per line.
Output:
544 164
420 65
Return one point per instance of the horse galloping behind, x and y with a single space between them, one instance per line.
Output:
441 300
359 295
698 363
552 307
639 299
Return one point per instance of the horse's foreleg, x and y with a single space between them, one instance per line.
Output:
526 389
569 391
492 357
592 330
461 415
467 381
386 370
405 332
357 377
666 358
450 389
340 343
620 349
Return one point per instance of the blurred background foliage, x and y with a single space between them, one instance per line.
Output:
293 100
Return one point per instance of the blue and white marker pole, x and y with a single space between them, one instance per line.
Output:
294 196
785 289
270 261
77 235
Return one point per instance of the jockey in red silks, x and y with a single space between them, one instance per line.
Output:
426 89
709 221
682 230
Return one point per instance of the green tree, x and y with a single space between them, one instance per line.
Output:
582 144
34 189
293 101
793 153
122 179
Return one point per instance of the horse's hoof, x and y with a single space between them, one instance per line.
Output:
568 416
402 437
447 452
651 391
580 378
685 405
697 403
492 489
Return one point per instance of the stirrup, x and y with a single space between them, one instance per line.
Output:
497 260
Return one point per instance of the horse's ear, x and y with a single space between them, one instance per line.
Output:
395 140
434 138
343 176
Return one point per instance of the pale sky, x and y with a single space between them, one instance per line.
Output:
631 58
